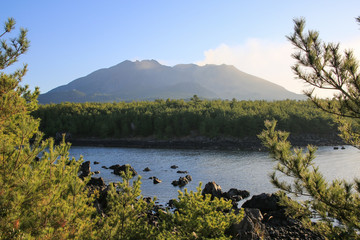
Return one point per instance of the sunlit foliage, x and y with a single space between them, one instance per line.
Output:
199 217
335 203
40 193
177 118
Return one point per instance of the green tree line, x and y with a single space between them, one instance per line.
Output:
178 118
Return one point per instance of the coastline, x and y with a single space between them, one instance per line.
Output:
199 142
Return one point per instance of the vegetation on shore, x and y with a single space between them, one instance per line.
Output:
42 196
178 118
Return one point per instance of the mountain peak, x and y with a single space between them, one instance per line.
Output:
149 80
185 66
147 64
143 64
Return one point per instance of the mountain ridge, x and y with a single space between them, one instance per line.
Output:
149 80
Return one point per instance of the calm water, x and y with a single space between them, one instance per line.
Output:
230 169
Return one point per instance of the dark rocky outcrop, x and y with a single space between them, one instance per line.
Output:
251 227
171 203
146 169
156 180
265 219
233 194
118 169
236 195
213 189
174 166
188 177
98 185
182 172
265 202
85 169
96 182
182 181
95 163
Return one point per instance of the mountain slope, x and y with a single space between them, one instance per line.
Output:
149 80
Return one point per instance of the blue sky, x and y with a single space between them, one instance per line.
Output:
70 39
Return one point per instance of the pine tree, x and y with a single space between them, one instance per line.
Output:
336 203
41 195
199 217
127 212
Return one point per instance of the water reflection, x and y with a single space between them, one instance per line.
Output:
230 169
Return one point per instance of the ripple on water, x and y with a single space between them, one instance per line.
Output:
244 170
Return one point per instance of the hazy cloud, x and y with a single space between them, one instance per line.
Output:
268 60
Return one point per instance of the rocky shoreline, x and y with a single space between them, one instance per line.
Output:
263 218
199 142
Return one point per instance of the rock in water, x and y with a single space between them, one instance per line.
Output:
118 169
182 181
156 180
236 195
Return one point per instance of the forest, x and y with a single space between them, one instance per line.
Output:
42 195
178 118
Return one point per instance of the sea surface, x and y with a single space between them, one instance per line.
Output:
244 170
